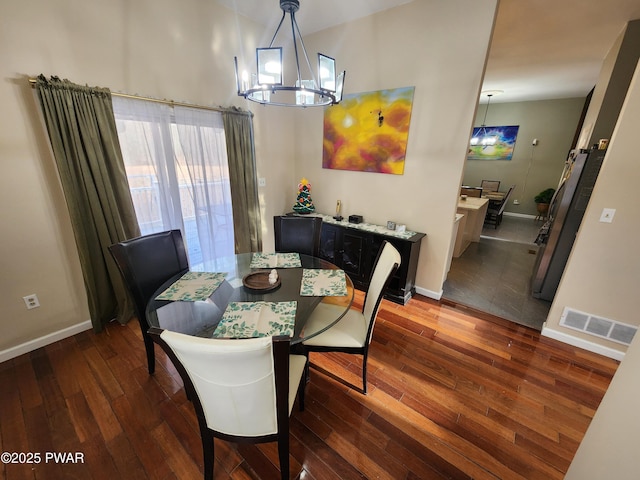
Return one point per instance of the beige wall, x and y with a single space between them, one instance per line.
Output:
184 51
160 49
275 157
597 99
440 49
532 168
601 277
609 449
627 54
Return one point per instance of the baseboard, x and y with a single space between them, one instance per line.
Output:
521 215
43 341
582 343
429 293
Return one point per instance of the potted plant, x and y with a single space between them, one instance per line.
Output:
542 201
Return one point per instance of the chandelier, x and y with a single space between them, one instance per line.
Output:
267 86
482 136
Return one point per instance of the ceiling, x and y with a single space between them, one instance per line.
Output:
541 49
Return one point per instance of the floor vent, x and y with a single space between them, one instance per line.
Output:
598 326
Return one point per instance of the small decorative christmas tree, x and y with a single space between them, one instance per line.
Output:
304 204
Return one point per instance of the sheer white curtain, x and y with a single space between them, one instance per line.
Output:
178 173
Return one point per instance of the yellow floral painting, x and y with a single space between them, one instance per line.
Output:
368 132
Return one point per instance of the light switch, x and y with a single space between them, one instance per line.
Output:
607 215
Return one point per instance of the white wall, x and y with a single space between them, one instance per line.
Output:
184 51
601 276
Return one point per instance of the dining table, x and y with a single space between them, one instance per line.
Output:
494 196
242 301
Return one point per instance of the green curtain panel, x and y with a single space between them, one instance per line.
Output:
84 139
238 129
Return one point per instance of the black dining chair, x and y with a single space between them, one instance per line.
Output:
297 234
495 211
352 334
145 264
242 391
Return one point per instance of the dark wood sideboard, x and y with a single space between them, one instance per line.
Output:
354 249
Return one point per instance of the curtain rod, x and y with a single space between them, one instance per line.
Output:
173 103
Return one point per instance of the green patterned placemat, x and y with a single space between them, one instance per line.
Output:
257 319
323 283
193 286
275 260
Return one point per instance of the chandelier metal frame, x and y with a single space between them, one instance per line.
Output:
267 85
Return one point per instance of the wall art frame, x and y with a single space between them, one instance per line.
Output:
493 143
368 132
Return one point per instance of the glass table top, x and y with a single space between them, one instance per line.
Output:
202 317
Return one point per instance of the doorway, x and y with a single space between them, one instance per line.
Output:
493 275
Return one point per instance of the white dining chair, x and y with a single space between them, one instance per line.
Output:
352 334
242 390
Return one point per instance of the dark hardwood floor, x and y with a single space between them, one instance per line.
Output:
451 396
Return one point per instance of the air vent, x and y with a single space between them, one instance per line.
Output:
600 327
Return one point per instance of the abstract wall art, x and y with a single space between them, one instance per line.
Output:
492 143
368 132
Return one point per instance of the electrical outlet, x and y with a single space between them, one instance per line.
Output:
516 202
607 215
262 182
31 301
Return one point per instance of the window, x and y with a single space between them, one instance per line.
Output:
176 163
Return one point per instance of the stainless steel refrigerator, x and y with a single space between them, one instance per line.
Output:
566 210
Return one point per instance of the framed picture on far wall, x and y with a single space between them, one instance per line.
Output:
493 143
